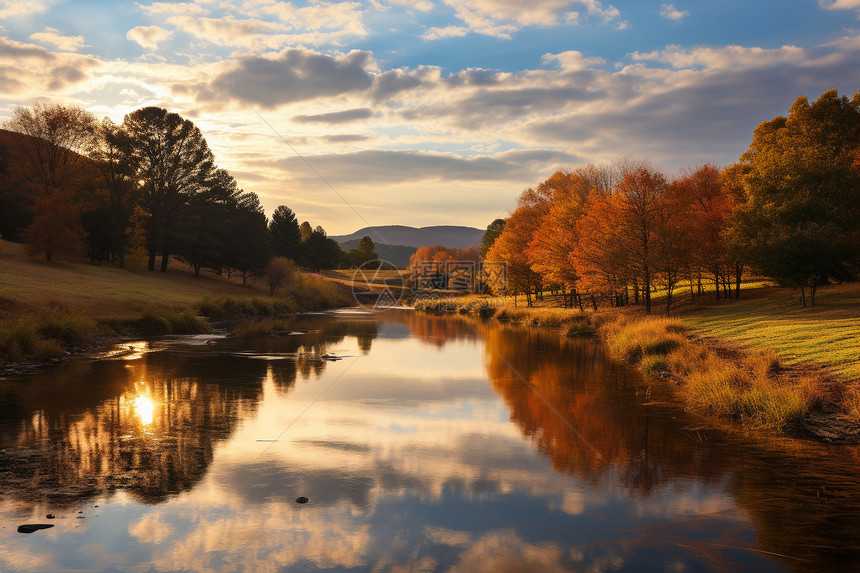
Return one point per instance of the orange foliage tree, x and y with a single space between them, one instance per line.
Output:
551 249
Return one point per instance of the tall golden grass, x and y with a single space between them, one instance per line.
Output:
749 388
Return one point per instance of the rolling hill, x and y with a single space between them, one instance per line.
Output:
452 236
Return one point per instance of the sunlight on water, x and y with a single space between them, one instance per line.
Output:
143 407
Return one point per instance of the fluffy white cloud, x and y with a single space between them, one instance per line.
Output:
669 11
149 36
501 18
51 36
14 8
266 25
572 61
446 32
28 70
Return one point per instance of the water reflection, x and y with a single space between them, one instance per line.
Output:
436 444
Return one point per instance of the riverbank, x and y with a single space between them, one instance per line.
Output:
759 364
48 310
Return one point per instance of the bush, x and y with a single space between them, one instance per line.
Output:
157 322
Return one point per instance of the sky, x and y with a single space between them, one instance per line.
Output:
433 112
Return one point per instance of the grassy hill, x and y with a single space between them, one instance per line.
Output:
49 308
101 292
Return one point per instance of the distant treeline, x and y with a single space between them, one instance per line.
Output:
789 209
130 193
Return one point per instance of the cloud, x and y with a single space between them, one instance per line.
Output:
501 18
571 61
839 4
726 57
373 167
174 9
290 76
345 17
32 71
263 26
15 8
337 116
148 36
669 11
65 43
446 32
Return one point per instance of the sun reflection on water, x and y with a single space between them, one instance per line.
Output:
143 407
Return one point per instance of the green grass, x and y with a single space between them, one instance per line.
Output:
49 308
827 334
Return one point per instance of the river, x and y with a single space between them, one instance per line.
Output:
421 443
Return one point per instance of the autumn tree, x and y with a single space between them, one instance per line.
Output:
800 223
171 161
280 272
601 256
51 140
551 249
511 246
441 267
709 202
305 231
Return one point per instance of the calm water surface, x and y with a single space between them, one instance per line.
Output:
434 444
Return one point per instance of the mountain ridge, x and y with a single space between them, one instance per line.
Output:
452 236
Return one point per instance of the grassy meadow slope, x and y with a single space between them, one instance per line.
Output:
101 292
47 309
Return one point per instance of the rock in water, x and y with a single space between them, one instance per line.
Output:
31 527
50 516
302 499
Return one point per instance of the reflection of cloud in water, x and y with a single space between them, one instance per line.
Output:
270 481
150 529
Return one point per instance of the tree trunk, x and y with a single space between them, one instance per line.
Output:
739 271
165 258
647 287
668 299
717 283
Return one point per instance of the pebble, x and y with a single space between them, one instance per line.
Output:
302 499
50 516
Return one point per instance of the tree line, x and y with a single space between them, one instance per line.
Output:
144 189
789 209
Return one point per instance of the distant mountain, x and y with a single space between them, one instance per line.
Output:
397 255
452 236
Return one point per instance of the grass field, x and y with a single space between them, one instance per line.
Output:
101 292
827 334
49 308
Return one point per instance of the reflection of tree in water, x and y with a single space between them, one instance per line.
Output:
437 330
803 497
148 426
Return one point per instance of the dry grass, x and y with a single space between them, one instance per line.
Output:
47 308
748 388
103 292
